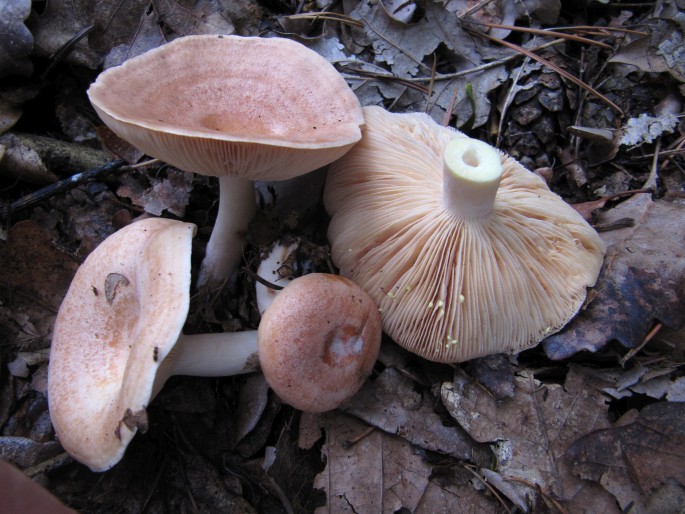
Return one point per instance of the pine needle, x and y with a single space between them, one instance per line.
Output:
556 68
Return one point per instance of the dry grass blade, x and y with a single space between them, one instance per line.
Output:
326 15
604 31
544 32
360 73
487 484
556 68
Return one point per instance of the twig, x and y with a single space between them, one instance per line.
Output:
602 30
542 32
489 486
66 48
655 330
475 8
48 465
63 185
262 280
325 15
349 443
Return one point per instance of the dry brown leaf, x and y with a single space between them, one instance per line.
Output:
169 193
531 431
384 473
664 49
137 26
643 280
636 458
392 404
34 268
16 42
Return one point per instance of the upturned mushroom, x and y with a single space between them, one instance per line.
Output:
239 108
465 251
117 339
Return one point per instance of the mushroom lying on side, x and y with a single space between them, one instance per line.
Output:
239 108
465 251
117 339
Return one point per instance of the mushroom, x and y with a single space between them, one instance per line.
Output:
117 338
316 358
239 108
465 251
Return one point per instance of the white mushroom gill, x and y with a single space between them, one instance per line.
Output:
465 252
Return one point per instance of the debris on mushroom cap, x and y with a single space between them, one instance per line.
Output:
453 287
263 108
318 341
99 383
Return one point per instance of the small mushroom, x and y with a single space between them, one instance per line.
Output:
239 108
465 251
314 359
117 339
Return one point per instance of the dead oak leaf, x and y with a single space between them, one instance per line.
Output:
404 46
531 431
638 457
406 49
643 279
385 473
392 404
140 25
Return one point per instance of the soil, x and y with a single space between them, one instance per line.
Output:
197 455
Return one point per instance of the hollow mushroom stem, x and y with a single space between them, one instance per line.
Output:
237 205
210 355
472 172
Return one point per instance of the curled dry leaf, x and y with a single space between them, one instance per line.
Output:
643 280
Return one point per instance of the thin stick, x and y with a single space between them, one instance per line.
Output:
63 185
655 330
543 32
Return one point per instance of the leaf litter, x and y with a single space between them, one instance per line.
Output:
591 421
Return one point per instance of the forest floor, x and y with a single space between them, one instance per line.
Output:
589 95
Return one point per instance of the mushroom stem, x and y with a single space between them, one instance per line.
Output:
210 355
472 172
237 205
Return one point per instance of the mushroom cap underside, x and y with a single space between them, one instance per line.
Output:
451 289
262 108
121 317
